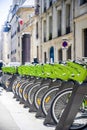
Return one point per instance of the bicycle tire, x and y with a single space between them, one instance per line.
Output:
25 93
32 91
39 94
47 99
58 105
18 86
20 89
14 84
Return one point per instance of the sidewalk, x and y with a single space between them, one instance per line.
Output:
6 120
15 117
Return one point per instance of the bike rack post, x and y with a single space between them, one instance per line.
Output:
72 107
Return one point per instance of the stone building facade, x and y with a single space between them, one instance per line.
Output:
56 30
21 28
56 22
63 29
24 32
80 27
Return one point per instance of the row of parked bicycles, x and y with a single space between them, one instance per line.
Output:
55 92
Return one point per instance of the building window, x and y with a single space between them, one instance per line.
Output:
60 54
44 31
67 18
85 42
50 27
37 31
83 2
50 3
52 54
13 34
37 1
18 28
44 5
8 56
18 41
59 21
14 51
45 57
37 53
14 10
69 53
37 7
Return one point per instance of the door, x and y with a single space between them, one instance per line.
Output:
85 42
25 48
52 54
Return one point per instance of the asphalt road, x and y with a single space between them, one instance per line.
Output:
13 116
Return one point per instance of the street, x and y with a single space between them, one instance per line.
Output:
13 116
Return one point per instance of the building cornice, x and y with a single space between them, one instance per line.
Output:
67 37
81 17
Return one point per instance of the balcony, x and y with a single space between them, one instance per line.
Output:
67 29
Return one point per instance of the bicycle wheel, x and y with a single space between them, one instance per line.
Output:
58 105
20 90
13 86
32 91
25 94
47 99
39 94
25 91
80 120
18 86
